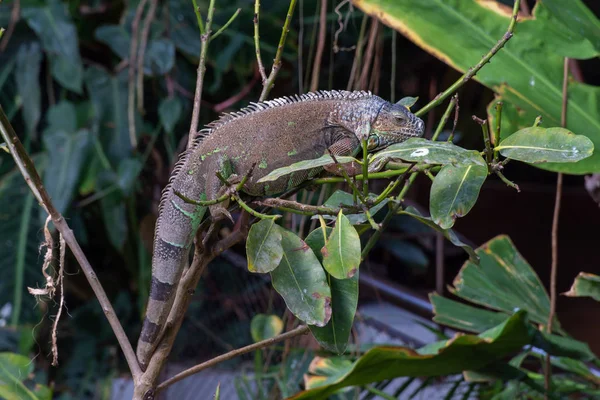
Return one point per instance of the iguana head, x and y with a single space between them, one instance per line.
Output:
394 124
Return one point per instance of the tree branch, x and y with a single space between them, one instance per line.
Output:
31 176
302 329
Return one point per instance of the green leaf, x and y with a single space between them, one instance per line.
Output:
109 100
406 252
408 102
27 76
539 145
68 153
114 215
14 369
526 72
217 395
263 246
19 254
448 233
578 19
169 112
58 35
430 152
463 316
341 253
265 327
454 192
563 346
325 371
585 285
304 165
127 174
301 281
503 281
340 197
449 357
344 300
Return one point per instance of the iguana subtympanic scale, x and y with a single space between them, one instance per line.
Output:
268 135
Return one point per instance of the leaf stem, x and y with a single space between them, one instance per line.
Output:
231 19
445 117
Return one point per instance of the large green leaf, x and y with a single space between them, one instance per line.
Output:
169 112
263 246
539 145
304 165
444 358
526 72
58 35
578 19
430 152
27 75
109 99
503 281
340 197
344 300
341 253
454 192
301 281
68 151
463 316
585 285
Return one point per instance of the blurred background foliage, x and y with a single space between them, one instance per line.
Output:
65 85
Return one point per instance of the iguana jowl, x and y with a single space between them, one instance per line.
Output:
269 135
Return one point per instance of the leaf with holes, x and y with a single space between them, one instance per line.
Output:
341 253
301 281
454 192
540 145
344 300
263 246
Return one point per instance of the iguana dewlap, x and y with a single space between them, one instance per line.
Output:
270 135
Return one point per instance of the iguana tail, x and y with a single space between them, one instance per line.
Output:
175 229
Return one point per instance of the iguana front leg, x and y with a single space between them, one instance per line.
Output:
349 146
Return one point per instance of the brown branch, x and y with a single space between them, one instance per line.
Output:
314 84
302 329
142 53
31 176
371 42
14 18
131 72
554 237
204 38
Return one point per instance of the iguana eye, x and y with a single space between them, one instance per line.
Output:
372 142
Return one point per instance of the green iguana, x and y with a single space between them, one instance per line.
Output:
272 134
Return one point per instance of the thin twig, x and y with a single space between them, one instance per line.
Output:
555 217
366 66
14 18
142 53
302 329
31 176
60 283
131 72
221 29
200 75
268 84
314 83
358 53
393 77
473 70
261 67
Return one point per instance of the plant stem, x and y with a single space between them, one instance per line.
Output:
231 19
554 235
314 83
473 70
198 16
268 84
302 329
200 74
261 67
445 117
31 176
497 128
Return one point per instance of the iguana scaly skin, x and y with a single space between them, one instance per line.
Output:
269 135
